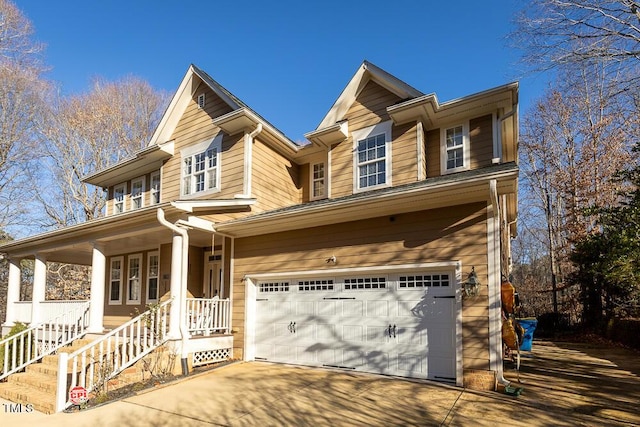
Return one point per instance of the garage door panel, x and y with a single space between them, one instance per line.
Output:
328 308
353 358
412 336
377 334
327 333
369 323
305 308
353 308
377 361
377 309
411 365
353 333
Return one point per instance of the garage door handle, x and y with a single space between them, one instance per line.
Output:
394 331
294 327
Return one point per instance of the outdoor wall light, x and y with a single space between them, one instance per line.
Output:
331 260
471 286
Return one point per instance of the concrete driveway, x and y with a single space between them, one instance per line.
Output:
564 385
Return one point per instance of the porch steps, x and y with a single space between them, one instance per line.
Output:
37 384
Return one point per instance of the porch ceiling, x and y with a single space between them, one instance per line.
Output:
120 234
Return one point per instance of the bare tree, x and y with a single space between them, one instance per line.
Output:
556 33
89 132
573 143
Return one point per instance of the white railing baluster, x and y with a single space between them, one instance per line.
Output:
131 342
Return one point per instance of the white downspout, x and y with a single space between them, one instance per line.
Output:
248 160
184 333
495 302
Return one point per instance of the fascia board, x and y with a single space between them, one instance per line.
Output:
82 231
143 161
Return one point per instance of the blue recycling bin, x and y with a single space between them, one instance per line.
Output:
529 325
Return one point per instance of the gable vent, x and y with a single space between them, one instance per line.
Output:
201 100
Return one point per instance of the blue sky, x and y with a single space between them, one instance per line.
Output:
288 60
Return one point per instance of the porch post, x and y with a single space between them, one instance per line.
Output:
39 285
96 304
176 279
13 291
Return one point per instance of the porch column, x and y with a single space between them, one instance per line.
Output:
13 291
176 279
39 285
96 304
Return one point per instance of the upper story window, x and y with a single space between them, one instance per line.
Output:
372 157
201 168
455 149
155 188
137 193
118 198
318 181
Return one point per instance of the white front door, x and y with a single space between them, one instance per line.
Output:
401 324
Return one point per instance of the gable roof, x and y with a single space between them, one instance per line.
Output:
366 72
184 94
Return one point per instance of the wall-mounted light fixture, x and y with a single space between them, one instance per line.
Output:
471 286
332 260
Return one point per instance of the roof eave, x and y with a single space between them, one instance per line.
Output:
143 161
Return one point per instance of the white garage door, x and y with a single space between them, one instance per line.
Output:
402 324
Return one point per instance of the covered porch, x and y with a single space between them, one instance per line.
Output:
138 259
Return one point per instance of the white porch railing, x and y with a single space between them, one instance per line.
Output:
23 311
48 309
96 363
34 343
206 316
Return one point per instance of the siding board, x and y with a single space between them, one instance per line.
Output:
436 235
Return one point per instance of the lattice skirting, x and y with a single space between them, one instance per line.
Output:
211 356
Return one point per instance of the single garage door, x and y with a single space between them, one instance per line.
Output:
401 324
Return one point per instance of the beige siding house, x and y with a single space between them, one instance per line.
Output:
358 250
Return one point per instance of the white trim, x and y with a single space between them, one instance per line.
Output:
312 180
140 179
193 150
442 265
328 172
130 278
371 131
493 268
123 186
149 277
232 270
111 280
420 161
466 157
458 323
250 320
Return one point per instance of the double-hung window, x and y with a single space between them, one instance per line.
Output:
153 260
137 193
455 148
133 279
372 157
155 188
115 280
318 181
201 168
119 192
